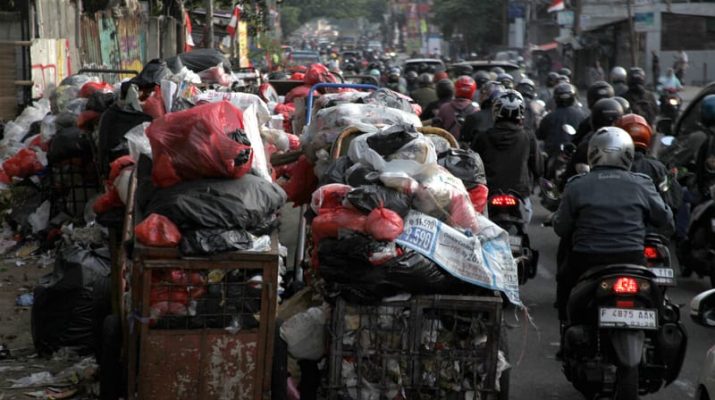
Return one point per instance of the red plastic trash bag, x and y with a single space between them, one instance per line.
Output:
384 224
87 119
329 197
478 195
116 167
4 178
206 141
301 183
331 221
158 231
108 201
22 164
90 88
154 105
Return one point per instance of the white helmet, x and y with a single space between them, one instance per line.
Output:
618 74
612 147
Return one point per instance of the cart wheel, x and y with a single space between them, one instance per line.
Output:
111 373
279 378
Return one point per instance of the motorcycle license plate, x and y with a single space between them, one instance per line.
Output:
664 276
515 241
627 318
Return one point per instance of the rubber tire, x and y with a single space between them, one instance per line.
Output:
627 383
111 373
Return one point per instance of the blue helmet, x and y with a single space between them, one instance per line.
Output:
707 110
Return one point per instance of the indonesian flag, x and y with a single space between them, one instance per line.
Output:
233 23
189 41
556 5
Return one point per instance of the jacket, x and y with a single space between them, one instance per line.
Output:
477 123
453 115
551 128
424 96
430 111
669 189
620 88
607 211
643 103
511 158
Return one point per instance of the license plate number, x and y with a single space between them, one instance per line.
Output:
515 241
664 276
627 318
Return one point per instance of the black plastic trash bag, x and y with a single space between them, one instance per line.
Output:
68 143
113 125
465 165
100 101
152 74
359 175
392 139
71 302
336 171
198 60
244 203
367 198
211 241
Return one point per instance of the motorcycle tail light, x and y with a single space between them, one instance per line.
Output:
503 200
651 253
625 285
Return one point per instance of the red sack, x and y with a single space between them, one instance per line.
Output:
330 222
154 105
87 119
168 293
164 308
197 143
107 202
298 92
302 182
158 231
22 164
89 88
384 224
478 195
329 197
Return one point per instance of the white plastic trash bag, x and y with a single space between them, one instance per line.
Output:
305 333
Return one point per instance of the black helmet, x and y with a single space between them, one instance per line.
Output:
411 76
552 79
488 92
508 106
624 103
564 94
506 80
444 89
636 76
527 88
481 77
563 79
498 70
565 72
597 91
605 113
707 110
425 79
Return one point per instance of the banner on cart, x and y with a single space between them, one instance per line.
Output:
484 260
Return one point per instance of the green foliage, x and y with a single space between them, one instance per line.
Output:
295 13
479 21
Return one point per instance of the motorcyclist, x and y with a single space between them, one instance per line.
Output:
395 81
641 134
546 92
550 130
411 79
603 214
705 162
506 80
445 94
625 104
597 91
481 77
426 92
534 109
511 156
643 102
453 114
479 122
618 80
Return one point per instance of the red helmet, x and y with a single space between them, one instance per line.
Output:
318 73
638 128
439 76
297 76
465 87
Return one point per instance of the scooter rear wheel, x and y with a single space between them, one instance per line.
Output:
627 383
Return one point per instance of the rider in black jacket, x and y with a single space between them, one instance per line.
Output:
550 129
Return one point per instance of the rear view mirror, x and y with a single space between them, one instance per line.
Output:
568 129
667 141
702 309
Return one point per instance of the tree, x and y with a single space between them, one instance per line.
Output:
479 21
297 12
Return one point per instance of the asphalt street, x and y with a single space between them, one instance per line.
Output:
533 343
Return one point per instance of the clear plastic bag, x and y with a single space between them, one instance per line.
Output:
239 100
329 196
443 196
411 158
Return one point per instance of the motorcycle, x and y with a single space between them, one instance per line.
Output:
507 211
658 260
670 103
697 251
555 173
623 336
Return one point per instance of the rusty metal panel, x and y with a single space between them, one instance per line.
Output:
190 366
8 91
131 42
91 47
50 63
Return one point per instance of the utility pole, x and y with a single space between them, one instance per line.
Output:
633 39
210 23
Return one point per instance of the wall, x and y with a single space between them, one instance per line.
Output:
701 69
57 19
50 64
10 30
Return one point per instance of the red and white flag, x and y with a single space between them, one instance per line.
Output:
556 5
189 41
233 23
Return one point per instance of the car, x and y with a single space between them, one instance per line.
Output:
702 312
486 65
374 45
689 119
420 65
304 57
